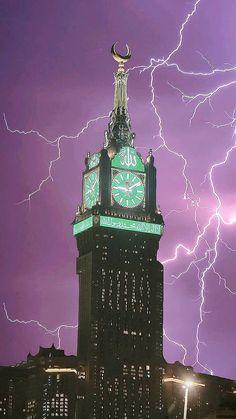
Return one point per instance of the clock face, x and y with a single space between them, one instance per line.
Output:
127 189
94 160
91 189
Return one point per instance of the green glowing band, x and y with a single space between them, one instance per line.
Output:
131 225
82 226
118 223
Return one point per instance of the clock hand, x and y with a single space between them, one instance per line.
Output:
93 186
121 187
133 186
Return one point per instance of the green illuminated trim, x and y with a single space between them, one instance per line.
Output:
123 224
82 226
119 223
128 158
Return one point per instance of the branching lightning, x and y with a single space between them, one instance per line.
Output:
211 252
57 143
180 345
202 98
53 332
203 253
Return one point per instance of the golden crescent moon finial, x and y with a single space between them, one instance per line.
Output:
121 59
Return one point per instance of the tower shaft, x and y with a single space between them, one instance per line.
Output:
118 229
120 332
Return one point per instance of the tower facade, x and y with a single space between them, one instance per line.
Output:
118 229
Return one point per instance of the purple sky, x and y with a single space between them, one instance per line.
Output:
56 74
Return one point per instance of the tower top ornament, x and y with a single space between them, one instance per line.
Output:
121 59
119 132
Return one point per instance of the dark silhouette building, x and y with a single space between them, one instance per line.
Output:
119 371
208 397
49 384
117 229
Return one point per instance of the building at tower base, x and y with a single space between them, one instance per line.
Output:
52 385
46 385
208 396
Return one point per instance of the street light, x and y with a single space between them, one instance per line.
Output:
187 385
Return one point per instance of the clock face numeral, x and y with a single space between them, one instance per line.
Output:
91 189
127 189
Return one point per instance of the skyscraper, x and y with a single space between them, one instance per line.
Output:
120 371
118 228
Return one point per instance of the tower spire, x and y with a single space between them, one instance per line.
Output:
120 97
119 131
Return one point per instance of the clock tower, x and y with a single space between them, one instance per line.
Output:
118 229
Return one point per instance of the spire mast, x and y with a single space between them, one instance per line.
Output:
119 132
120 97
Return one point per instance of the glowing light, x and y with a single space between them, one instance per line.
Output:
119 223
61 370
188 383
232 219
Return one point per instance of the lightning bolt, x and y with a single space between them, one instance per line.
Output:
53 332
204 263
199 99
180 345
216 217
227 246
57 143
57 330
